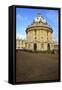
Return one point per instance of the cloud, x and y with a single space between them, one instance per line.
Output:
19 16
20 36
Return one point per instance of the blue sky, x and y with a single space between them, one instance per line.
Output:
25 16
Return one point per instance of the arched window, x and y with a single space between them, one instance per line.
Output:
29 45
42 46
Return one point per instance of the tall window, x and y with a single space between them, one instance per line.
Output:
41 37
35 34
47 34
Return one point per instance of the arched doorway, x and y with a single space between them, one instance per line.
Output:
48 47
35 46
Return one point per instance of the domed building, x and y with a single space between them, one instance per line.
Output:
39 35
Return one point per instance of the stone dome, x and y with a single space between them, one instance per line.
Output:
39 18
39 22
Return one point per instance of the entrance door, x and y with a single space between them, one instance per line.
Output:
35 46
48 47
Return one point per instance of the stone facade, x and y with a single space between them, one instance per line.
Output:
39 35
20 44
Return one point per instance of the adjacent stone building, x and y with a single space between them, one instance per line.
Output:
20 44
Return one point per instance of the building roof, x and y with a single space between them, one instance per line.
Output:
39 21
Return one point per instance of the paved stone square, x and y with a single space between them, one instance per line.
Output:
36 66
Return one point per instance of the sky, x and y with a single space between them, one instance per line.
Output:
25 16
